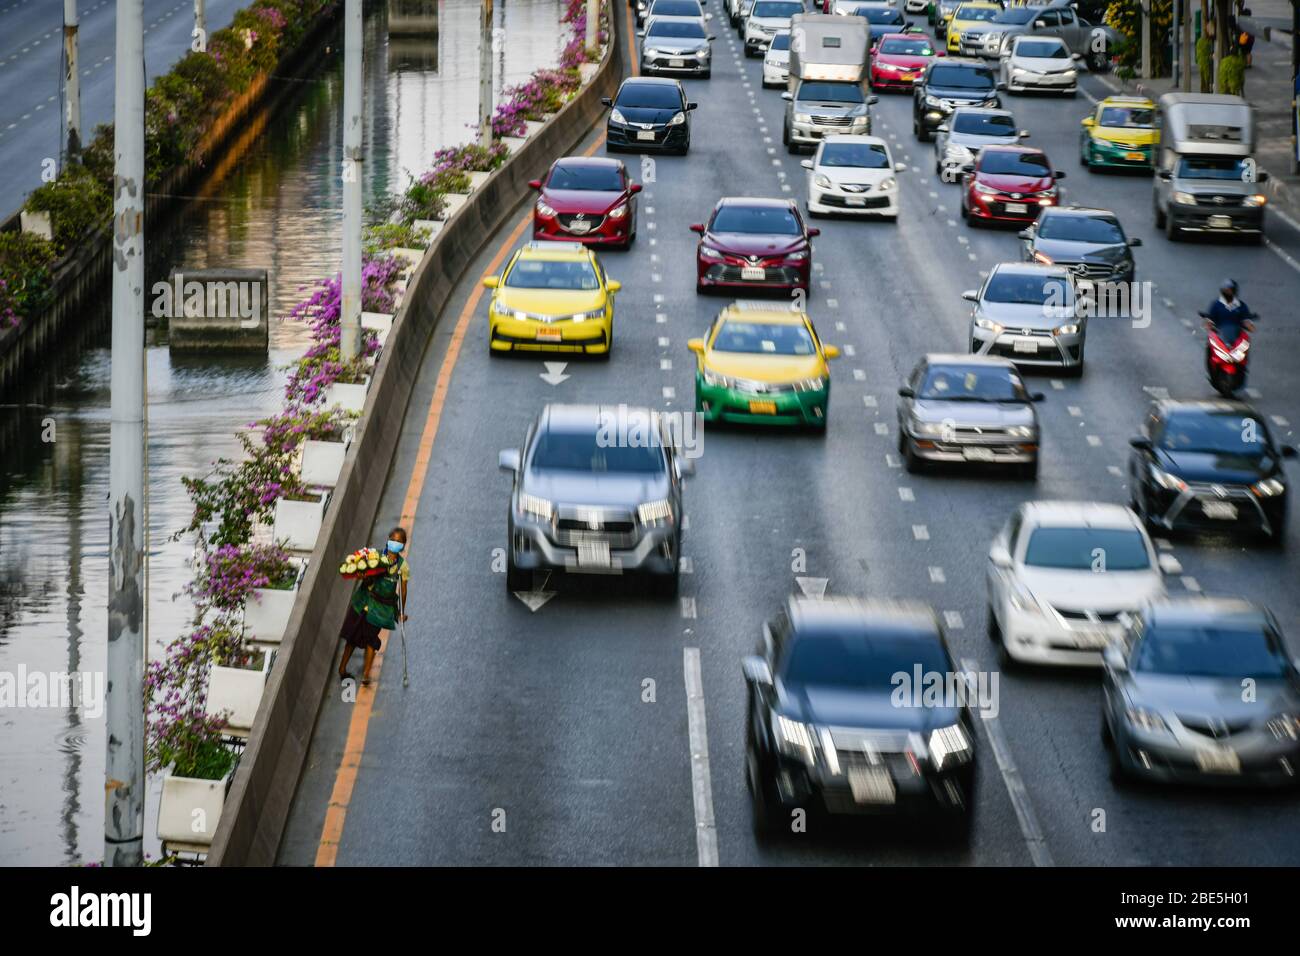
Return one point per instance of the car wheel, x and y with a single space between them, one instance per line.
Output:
707 74
1119 774
911 460
923 134
959 826
763 818
1172 232
1075 371
517 579
1028 471
1083 158
1107 739
994 632
666 585
1160 214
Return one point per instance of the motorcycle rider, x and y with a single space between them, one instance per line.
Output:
1227 316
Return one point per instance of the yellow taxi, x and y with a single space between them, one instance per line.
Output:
552 297
966 16
1121 131
762 363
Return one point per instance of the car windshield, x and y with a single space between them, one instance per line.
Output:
972 383
1208 650
762 338
984 124
1021 288
962 77
1216 433
780 42
682 29
1043 49
1212 167
876 15
773 220
1127 117
1016 15
778 9
649 96
907 47
591 451
863 155
1014 163
1088 549
552 274
583 177
976 14
676 8
867 660
1100 229
832 92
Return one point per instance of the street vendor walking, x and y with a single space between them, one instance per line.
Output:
377 603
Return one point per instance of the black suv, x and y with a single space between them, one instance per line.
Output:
649 113
948 84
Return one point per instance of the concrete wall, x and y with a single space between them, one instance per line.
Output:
261 795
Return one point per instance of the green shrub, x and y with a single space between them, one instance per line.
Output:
1232 74
26 262
422 201
390 235
78 205
97 156
1205 63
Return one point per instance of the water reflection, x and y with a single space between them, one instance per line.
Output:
277 206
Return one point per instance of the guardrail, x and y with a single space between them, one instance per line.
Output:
261 795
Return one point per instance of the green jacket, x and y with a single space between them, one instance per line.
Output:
377 598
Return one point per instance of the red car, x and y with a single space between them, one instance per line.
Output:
586 199
899 59
754 243
1009 184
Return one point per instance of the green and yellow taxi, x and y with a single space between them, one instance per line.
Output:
762 363
1120 132
552 297
966 16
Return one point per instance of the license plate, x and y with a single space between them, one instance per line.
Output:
1222 510
753 273
1221 760
1135 156
579 227
549 335
676 62
593 554
762 408
977 454
1220 222
871 785
855 201
645 134
1017 208
1027 346
1090 640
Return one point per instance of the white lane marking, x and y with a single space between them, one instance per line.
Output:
1164 544
1029 829
882 428
658 298
1279 421
937 576
859 375
920 532
841 327
660 318
1115 470
814 588
1075 411
1191 583
906 494
1282 253
665 365
1057 384
706 832
1254 393
663 341
687 564
869 401
670 393
892 461
656 277
1094 440
688 608
953 620
833 304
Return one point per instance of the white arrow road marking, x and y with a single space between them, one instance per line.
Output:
554 374
814 588
706 832
533 600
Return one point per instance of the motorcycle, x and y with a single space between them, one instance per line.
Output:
1225 362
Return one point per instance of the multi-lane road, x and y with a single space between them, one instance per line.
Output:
547 714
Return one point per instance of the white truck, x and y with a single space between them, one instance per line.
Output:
828 63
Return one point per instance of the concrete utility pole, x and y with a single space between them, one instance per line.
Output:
1146 40
1189 47
485 75
71 84
350 308
201 21
593 24
124 768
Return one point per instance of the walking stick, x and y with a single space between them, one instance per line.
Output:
401 630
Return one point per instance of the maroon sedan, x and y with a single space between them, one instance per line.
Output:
899 59
753 243
1008 184
586 199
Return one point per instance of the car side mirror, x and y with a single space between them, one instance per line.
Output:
1024 134
1000 556
900 167
634 188
1135 241
831 351
1169 564
606 101
491 282
1140 442
941 128
807 164
940 53
685 467
1087 121
1040 24
1165 175
1001 85
696 346
1058 174
1037 397
814 231
968 168
1289 451
534 184
1025 234
1076 56
873 100
613 286
971 295
640 33
697 227
787 95
907 392
692 106
1113 655
756 671
508 460
1261 176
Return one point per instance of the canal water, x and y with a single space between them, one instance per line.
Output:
278 206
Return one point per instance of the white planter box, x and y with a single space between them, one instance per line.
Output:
321 463
37 223
381 323
534 127
190 810
586 71
298 523
412 258
266 614
512 143
238 691
477 179
431 226
347 396
453 203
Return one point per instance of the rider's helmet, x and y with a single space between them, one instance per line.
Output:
1228 285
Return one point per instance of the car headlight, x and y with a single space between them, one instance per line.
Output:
708 252
1284 725
956 152
987 190
795 739
888 67
932 100
500 308
821 181
1023 600
1040 257
933 429
1147 720
812 384
988 325
594 314
1166 480
862 120
716 380
544 210
1184 199
677 120
618 212
1256 200
1268 488
1070 328
1021 431
535 507
655 512
1070 73
616 116
1017 71
889 182
803 117
950 746
703 51
799 256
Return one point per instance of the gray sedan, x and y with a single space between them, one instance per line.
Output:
1029 314
676 45
970 128
1089 242
1202 690
963 408
1096 42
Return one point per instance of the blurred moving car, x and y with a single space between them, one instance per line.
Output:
853 175
776 61
754 243
947 85
762 363
649 113
967 15
965 408
1120 132
958 140
1029 313
1061 574
1173 706
824 725
899 59
1040 63
1089 242
766 19
587 199
1009 184
676 45
584 504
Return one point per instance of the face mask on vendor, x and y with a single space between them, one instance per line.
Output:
396 546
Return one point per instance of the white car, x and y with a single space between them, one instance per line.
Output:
853 174
969 129
1040 63
776 61
1063 578
766 19
916 6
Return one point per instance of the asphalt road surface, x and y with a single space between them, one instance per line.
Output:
541 714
